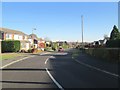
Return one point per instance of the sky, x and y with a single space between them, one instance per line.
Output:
61 20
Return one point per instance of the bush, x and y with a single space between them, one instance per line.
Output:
30 51
10 46
48 49
53 48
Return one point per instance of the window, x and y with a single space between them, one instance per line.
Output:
7 35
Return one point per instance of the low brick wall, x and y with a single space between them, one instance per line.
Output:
111 54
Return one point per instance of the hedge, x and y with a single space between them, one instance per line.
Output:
111 54
10 46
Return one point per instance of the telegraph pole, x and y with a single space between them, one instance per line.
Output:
82 29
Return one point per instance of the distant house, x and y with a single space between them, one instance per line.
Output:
60 43
33 40
9 34
100 42
41 44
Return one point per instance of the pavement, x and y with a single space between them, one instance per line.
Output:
58 70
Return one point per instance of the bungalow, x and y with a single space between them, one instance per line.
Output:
9 34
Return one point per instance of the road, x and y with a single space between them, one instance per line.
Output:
58 70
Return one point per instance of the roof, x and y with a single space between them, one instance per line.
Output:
33 36
101 41
40 39
11 31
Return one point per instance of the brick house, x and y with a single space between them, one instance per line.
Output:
9 34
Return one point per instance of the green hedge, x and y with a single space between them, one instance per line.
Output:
10 46
111 54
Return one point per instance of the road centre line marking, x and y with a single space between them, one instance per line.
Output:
15 62
87 65
48 59
58 85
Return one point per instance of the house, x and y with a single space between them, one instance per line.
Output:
9 34
41 44
33 40
100 42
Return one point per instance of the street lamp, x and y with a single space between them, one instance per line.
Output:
82 28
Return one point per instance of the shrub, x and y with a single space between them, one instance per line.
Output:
30 51
10 46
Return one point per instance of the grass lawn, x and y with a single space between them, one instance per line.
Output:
9 56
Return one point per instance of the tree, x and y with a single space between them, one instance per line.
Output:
115 34
114 38
66 42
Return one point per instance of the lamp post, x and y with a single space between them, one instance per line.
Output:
82 29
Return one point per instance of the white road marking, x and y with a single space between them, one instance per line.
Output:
44 53
62 53
58 85
52 57
48 59
14 62
87 65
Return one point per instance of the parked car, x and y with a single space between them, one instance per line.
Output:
60 50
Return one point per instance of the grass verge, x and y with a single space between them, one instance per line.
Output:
9 56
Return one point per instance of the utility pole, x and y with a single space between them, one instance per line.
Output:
82 29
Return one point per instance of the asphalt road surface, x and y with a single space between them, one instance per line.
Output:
58 70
